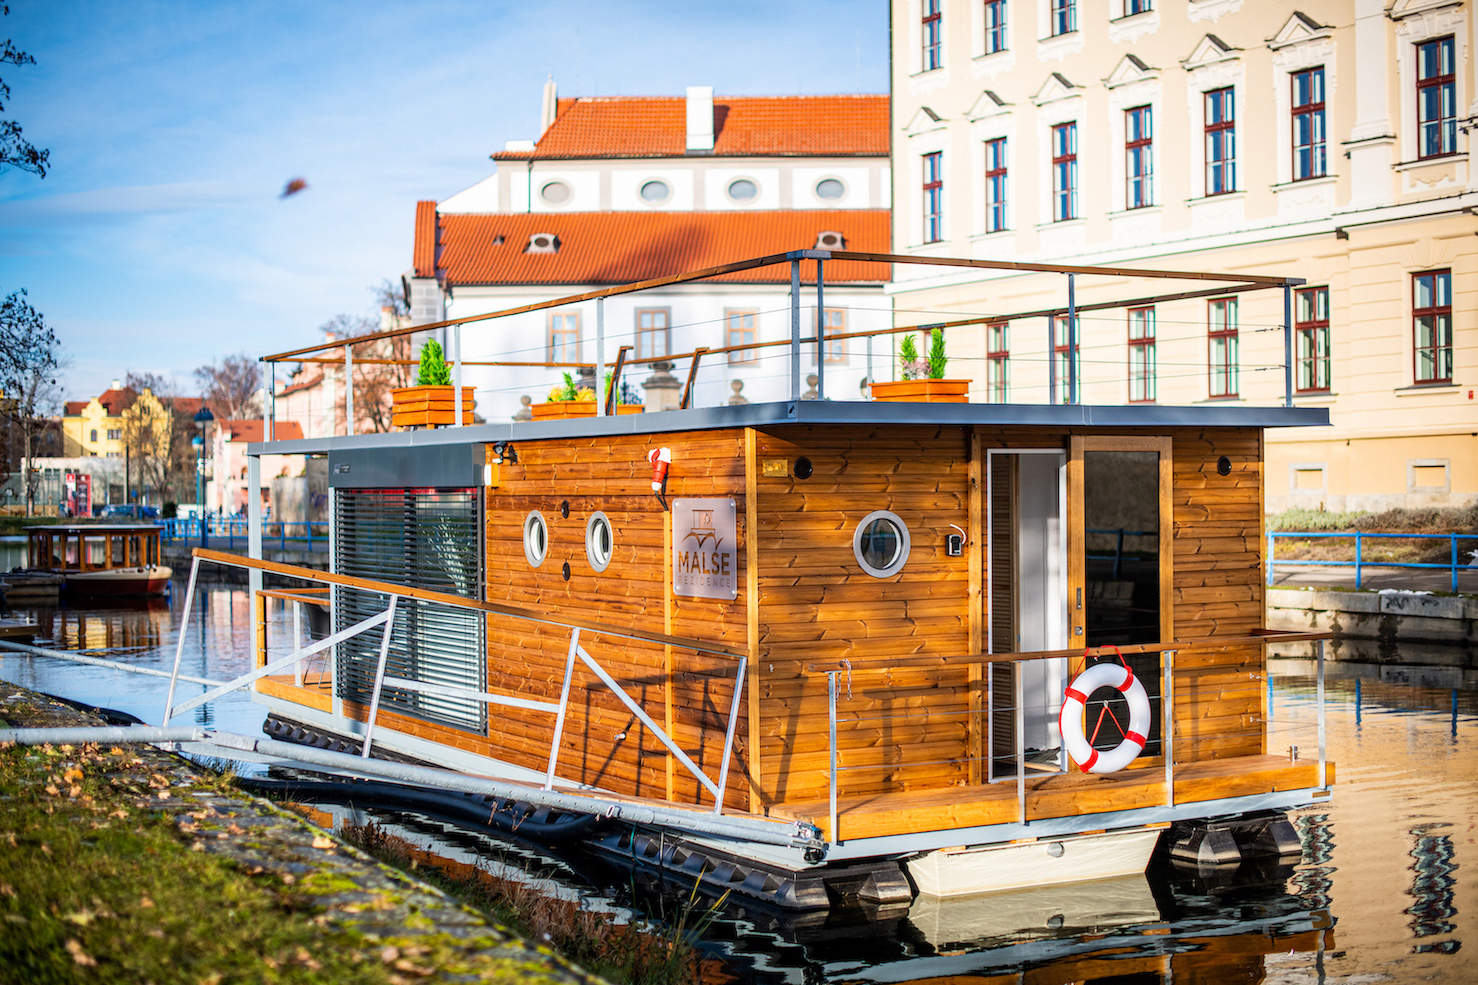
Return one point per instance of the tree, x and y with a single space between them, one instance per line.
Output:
15 150
30 359
157 428
231 388
379 366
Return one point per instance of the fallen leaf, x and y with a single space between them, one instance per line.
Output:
197 846
74 948
74 791
235 829
72 775
188 828
115 751
145 902
6 889
81 918
163 795
389 954
51 789
46 848
120 812
319 841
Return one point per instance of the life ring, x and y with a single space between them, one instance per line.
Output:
1070 720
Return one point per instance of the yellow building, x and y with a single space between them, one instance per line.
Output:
94 428
1328 143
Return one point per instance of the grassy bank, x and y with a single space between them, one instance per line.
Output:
1462 521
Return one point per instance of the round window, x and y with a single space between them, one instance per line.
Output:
535 538
743 190
830 188
600 542
655 191
881 543
555 193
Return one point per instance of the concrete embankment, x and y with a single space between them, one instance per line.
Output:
1387 616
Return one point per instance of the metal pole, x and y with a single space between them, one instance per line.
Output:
298 641
1319 649
1052 359
723 772
600 353
179 648
795 330
369 725
1020 714
457 376
564 702
869 367
272 405
73 656
820 336
831 724
1288 345
1167 726
1454 564
1072 340
348 388
1359 558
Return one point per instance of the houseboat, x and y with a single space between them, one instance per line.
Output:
100 558
811 648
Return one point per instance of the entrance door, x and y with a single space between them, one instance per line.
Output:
1027 594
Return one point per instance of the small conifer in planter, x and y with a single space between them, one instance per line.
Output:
431 402
923 377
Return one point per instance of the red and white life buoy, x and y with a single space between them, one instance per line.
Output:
1070 721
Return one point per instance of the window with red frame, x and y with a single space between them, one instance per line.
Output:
1221 141
1221 347
835 321
1069 362
934 197
1141 355
1138 158
933 27
1063 16
1436 98
564 338
1311 339
1431 324
739 330
995 26
1308 124
1064 172
997 362
995 185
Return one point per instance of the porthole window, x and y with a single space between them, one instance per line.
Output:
535 538
600 541
881 543
655 192
830 189
743 190
556 193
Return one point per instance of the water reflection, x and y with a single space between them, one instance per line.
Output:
1384 890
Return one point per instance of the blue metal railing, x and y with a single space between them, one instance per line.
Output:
1454 564
230 530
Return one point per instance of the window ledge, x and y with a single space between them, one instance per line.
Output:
1323 179
1155 209
1058 38
1223 197
1420 388
986 56
999 232
927 71
1062 224
1316 397
1223 400
1422 162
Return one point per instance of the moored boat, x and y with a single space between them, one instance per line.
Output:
100 558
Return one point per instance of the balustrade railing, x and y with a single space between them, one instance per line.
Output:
1462 553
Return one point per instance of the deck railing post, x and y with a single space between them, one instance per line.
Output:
564 702
820 335
831 731
1288 345
369 725
272 404
1052 359
348 388
600 351
298 641
179 648
1319 698
723 770
1271 535
1072 340
457 376
795 330
1020 715
869 368
1167 725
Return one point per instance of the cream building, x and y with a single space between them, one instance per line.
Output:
1327 141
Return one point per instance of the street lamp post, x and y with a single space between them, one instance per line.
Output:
203 417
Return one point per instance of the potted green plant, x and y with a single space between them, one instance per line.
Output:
432 402
569 399
923 378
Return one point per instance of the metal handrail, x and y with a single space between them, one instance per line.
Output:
1360 564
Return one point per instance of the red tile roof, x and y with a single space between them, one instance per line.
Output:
255 430
114 401
75 408
746 126
621 247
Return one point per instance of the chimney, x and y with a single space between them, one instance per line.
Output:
117 385
549 107
700 119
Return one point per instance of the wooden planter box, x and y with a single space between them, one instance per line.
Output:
428 406
558 410
924 391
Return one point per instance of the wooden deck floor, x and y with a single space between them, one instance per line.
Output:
1059 795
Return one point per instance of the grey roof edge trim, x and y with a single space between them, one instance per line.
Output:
821 412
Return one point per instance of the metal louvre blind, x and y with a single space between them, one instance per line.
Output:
420 538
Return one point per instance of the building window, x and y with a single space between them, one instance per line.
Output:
995 185
1221 341
115 434
1132 7
113 454
1436 99
933 25
1069 359
1141 355
653 333
995 26
94 435
1139 158
1308 124
1063 16
1311 335
1431 318
1064 172
739 330
934 197
1221 142
564 338
835 321
997 362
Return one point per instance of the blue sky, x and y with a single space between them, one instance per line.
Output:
157 241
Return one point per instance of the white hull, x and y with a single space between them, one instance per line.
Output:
1094 906
1049 861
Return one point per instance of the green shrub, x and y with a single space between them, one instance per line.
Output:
433 369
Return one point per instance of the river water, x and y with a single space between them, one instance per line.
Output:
1386 890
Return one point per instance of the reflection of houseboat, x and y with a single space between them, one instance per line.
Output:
100 558
842 647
